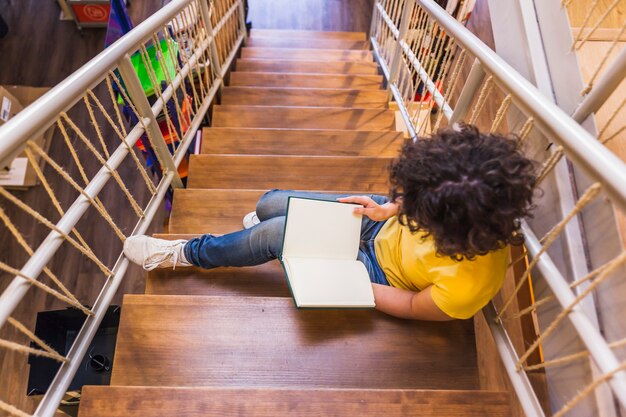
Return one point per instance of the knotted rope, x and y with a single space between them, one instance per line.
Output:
611 7
571 358
549 164
453 80
22 242
51 353
610 267
13 410
549 238
567 407
98 206
482 99
116 176
37 216
527 127
120 135
10 270
504 106
614 43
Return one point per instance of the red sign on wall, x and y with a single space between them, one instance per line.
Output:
92 13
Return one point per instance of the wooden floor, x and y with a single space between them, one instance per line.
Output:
28 60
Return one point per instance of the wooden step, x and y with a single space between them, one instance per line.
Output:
216 211
195 341
312 97
263 402
331 173
303 118
211 211
306 34
309 43
309 67
307 54
279 79
267 280
228 140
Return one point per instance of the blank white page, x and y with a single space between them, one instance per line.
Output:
329 283
321 229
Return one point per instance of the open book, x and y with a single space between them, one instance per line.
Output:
320 250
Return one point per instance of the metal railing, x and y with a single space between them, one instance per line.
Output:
152 88
440 74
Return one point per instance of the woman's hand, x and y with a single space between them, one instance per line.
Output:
371 209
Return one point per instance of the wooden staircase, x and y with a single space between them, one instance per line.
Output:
304 110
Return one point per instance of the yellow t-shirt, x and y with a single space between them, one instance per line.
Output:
459 288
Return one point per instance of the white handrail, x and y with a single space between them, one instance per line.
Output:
37 117
579 145
40 115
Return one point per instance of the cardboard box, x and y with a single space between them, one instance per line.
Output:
21 174
9 105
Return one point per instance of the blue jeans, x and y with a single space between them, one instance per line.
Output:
263 242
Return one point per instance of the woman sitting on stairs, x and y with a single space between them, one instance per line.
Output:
437 249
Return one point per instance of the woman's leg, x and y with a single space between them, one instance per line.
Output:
274 204
253 246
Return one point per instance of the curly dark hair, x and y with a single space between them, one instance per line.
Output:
467 189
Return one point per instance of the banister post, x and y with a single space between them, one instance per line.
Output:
137 95
407 13
215 61
242 17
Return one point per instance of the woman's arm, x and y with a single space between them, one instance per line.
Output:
371 209
407 304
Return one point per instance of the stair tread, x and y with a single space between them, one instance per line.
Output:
229 140
170 340
216 211
211 211
264 402
330 81
307 54
307 34
267 280
340 173
334 118
311 67
321 97
309 43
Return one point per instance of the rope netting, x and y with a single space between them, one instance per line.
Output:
105 120
429 54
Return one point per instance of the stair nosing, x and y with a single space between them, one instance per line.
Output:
291 156
374 64
298 129
312 74
313 50
221 106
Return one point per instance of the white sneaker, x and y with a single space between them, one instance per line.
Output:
153 253
250 220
